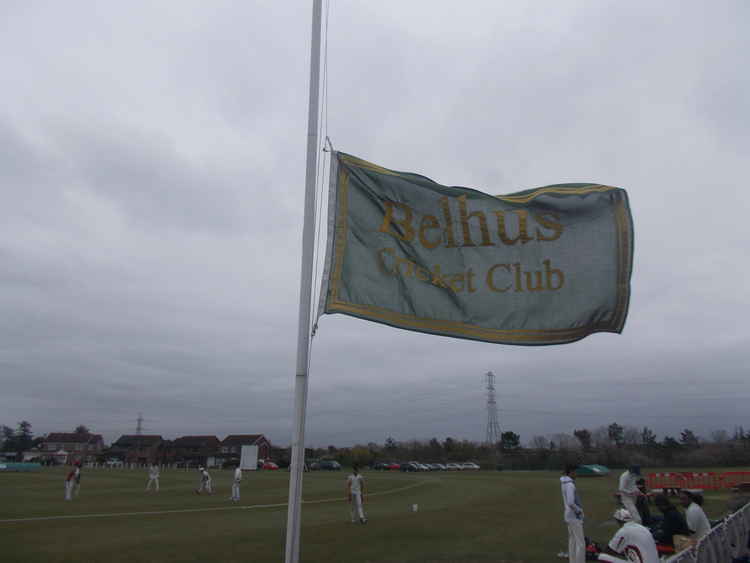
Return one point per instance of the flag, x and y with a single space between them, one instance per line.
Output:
548 265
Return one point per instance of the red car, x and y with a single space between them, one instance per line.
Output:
269 465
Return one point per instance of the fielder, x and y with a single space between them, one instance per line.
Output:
355 493
629 491
70 482
205 482
77 480
153 477
236 485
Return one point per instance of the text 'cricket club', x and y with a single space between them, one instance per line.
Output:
398 221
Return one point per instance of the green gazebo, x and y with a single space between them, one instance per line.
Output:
594 470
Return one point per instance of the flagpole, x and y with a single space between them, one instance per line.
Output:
305 296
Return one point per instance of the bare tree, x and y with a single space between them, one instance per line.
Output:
584 436
600 437
539 443
719 436
616 434
689 439
565 441
648 437
631 436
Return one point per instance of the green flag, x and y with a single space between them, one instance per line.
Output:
544 266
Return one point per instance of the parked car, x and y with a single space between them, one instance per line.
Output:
386 466
470 465
453 466
410 467
437 467
424 467
329 465
270 465
389 466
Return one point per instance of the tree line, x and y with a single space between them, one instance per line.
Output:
22 438
613 445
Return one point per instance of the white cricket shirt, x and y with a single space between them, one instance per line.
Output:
697 520
628 483
636 543
355 483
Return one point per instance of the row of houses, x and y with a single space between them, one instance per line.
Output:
189 451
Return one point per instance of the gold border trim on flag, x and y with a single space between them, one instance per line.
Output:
464 330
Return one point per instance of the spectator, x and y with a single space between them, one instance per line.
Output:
642 503
694 516
672 522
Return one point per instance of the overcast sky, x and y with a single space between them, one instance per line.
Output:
152 163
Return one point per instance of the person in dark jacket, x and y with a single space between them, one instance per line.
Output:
672 522
642 503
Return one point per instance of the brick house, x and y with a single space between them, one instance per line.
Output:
144 448
231 447
77 446
193 451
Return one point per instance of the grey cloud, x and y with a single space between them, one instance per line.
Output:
152 171
152 183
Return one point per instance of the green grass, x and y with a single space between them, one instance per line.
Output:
466 516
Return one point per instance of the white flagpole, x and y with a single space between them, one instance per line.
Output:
305 297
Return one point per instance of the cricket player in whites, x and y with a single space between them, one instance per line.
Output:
632 543
629 491
77 480
236 485
153 477
205 482
355 492
70 481
573 516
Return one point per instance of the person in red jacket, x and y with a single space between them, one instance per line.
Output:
70 481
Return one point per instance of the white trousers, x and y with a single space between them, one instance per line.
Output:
356 507
155 481
235 491
576 542
69 489
629 503
205 486
612 558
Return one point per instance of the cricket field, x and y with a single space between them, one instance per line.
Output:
468 516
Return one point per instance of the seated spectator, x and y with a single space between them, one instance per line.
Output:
694 516
738 499
642 503
672 522
632 541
